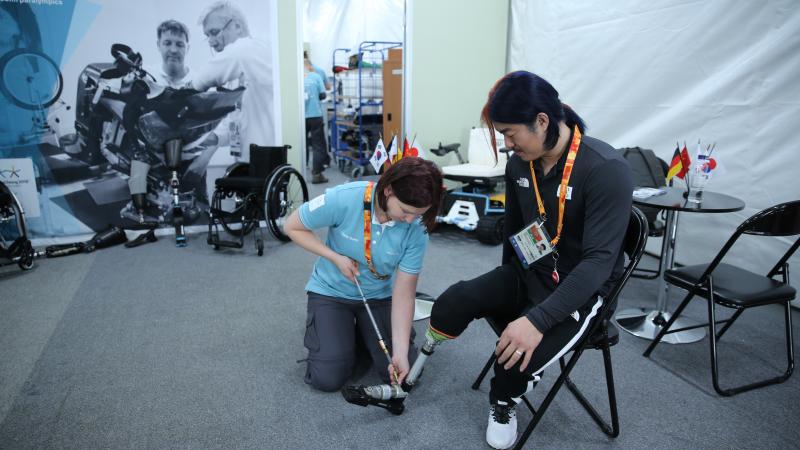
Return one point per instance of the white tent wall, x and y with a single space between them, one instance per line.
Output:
332 24
652 73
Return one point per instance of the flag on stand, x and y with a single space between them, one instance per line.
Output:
402 152
393 150
415 151
379 156
686 162
675 166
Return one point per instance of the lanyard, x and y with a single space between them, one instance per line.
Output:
562 195
368 232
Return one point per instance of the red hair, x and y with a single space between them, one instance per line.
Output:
416 182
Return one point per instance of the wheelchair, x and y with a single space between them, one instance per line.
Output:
266 188
479 204
15 247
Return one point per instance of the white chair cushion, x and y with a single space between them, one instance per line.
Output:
476 170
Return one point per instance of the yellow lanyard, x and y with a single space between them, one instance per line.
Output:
562 195
368 233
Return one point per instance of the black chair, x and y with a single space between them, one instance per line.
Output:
730 286
266 188
648 170
602 335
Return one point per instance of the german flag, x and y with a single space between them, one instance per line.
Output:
676 165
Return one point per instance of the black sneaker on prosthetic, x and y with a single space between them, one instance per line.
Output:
501 432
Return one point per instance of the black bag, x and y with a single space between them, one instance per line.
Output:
648 171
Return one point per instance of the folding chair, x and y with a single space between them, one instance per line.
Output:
733 287
602 334
649 171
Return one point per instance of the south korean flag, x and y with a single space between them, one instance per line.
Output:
379 156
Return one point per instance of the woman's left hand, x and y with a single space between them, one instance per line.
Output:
399 366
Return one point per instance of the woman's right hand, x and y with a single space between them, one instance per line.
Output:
347 266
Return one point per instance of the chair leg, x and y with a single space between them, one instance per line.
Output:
477 384
729 323
551 394
666 327
611 430
758 384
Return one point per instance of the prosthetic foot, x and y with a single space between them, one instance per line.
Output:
392 396
137 211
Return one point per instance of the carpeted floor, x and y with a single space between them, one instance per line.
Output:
165 347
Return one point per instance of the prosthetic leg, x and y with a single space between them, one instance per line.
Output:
172 156
391 396
138 209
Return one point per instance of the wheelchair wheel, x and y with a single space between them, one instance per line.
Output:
234 226
14 243
286 191
30 79
490 230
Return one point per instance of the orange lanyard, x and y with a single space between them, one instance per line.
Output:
368 232
562 194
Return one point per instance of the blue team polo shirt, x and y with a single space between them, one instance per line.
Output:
395 245
313 86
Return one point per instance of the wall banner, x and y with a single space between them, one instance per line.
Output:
91 92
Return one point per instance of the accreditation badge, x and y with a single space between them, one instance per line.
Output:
531 243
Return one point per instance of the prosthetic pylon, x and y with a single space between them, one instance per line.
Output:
392 396
172 150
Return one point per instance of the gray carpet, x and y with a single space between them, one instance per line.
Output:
165 347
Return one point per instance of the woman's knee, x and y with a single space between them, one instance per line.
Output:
328 377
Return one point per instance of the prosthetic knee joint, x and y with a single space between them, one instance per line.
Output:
391 396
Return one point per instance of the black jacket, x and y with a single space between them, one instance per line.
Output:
595 220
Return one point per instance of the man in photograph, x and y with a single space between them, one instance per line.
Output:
173 44
172 40
239 60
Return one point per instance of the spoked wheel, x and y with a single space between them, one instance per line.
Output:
234 225
13 232
30 79
286 191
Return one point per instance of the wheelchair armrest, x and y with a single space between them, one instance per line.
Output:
445 149
238 169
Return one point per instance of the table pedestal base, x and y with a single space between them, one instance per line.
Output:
647 324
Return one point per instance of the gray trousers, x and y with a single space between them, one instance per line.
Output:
331 327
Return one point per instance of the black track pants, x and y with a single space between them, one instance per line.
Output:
504 294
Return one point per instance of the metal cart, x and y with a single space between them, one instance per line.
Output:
356 120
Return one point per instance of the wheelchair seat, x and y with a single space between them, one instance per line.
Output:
266 188
244 183
481 164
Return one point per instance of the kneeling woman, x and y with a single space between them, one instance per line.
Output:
377 232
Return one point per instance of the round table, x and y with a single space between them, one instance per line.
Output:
648 323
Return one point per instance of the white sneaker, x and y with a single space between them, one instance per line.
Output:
501 432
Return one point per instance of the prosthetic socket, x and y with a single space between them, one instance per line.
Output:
391 396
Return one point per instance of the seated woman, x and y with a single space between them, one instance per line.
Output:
377 234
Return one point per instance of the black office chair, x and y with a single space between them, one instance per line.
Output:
266 188
602 335
730 286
